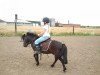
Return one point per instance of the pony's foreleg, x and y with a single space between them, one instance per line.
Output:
56 58
36 59
62 61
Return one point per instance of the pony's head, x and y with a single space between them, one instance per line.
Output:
28 38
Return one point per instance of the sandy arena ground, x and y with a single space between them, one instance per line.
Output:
83 57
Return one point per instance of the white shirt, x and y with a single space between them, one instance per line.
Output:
47 31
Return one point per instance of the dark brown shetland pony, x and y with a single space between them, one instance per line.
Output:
56 48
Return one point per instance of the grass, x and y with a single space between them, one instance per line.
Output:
75 34
8 30
9 34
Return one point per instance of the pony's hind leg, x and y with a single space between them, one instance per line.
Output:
62 61
56 58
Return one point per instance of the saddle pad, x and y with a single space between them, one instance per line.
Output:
45 45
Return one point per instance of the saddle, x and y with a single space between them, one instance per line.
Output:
45 44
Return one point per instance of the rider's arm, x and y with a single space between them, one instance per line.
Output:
42 33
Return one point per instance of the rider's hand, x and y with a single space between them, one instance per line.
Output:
38 34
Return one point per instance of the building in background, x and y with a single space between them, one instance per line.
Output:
2 22
35 23
52 22
67 25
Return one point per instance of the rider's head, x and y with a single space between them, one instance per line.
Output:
46 20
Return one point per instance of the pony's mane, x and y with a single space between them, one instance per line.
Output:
31 34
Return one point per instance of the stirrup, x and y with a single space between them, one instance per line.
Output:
37 49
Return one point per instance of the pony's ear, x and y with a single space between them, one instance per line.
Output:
24 35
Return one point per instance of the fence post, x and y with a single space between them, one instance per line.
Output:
73 29
15 23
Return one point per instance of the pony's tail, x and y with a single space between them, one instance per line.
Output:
64 56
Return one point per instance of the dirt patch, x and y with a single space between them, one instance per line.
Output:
83 57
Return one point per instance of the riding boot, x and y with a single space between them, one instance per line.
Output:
37 49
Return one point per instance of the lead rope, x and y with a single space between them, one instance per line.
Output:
49 45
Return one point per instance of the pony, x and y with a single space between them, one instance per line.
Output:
58 49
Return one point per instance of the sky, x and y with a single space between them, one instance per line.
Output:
84 12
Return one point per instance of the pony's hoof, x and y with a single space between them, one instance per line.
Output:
52 65
64 69
37 64
66 62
